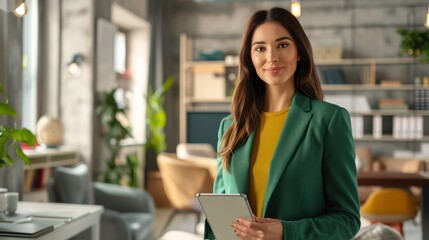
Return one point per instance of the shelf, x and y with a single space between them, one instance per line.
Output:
393 113
209 101
368 138
364 61
323 62
369 87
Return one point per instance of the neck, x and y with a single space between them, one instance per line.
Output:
277 98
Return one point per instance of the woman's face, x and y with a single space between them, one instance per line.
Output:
274 54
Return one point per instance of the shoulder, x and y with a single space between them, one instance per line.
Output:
326 108
226 122
315 106
325 112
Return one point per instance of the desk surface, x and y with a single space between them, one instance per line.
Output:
92 219
393 179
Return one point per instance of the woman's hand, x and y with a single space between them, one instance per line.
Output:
261 229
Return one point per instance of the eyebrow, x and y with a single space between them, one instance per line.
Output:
277 40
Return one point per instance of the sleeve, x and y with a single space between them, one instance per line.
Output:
218 186
342 217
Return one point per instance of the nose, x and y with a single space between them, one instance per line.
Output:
272 56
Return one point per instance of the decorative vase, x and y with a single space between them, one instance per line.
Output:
49 131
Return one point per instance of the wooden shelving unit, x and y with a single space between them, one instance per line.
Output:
370 87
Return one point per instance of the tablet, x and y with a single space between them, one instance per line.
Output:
222 209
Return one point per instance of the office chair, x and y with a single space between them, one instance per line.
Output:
182 180
390 206
128 212
378 231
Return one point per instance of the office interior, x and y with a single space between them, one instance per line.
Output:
59 60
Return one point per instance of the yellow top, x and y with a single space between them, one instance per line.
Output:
266 139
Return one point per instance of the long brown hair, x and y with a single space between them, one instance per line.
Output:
248 98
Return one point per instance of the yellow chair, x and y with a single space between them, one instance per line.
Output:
390 206
182 180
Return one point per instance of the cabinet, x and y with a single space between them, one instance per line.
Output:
389 113
36 175
388 106
204 94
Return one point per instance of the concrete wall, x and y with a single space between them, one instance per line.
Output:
11 79
69 28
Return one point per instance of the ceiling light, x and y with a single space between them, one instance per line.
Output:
427 18
295 8
21 10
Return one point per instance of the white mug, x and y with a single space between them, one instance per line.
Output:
3 200
12 202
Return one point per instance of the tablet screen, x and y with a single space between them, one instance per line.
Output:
222 209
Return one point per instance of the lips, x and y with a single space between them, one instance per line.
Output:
273 70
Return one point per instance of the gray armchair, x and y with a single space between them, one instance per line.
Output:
129 213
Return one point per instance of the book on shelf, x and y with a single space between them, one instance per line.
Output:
357 126
391 101
402 108
377 126
365 76
407 127
421 99
353 103
321 75
390 83
334 76
392 104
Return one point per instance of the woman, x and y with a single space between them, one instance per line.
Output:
291 153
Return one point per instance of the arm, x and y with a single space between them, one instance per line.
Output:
218 186
342 219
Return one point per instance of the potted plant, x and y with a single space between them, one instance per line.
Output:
156 118
11 137
415 43
117 128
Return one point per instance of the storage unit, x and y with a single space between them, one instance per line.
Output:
38 173
387 98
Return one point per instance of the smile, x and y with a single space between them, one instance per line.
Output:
273 70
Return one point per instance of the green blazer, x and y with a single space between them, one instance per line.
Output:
312 184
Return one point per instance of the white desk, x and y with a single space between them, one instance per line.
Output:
67 230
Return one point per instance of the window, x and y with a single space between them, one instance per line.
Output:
30 66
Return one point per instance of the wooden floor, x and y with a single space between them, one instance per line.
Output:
181 222
186 222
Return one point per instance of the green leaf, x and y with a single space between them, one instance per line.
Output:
22 155
23 135
158 120
8 160
28 137
165 87
7 110
2 91
2 163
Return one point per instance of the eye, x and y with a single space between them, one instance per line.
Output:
259 48
283 45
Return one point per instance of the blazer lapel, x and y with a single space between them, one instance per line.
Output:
295 126
240 164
